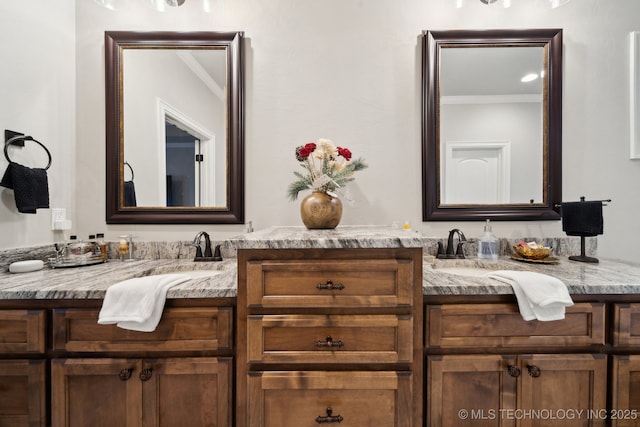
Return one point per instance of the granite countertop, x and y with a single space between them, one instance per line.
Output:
91 282
605 277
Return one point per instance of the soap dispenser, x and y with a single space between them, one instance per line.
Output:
488 244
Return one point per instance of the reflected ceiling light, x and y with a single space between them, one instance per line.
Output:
109 4
529 77
558 3
161 5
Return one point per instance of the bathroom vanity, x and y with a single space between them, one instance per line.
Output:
329 335
353 326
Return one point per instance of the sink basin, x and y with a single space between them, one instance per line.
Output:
196 274
465 271
194 271
470 267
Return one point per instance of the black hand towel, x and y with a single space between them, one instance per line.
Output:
129 194
582 218
30 187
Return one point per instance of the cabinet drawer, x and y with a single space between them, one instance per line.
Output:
501 326
626 325
329 339
22 331
181 329
330 283
352 399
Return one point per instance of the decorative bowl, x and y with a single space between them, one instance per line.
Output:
531 253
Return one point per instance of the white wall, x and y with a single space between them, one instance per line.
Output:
349 70
38 98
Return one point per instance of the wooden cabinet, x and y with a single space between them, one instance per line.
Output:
487 366
524 390
625 402
182 374
500 326
329 336
149 393
182 329
23 393
22 371
625 372
308 398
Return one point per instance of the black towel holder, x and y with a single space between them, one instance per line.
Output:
16 140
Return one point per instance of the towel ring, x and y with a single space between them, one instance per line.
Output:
24 138
130 168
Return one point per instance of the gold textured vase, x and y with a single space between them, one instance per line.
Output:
320 210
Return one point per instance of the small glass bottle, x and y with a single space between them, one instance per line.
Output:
102 246
123 248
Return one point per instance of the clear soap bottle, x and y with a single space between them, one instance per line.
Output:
488 244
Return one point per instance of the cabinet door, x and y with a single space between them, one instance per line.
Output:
470 390
310 398
554 384
22 393
625 391
96 393
194 392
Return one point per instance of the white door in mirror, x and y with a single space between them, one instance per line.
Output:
26 266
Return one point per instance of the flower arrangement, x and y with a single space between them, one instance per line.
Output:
327 167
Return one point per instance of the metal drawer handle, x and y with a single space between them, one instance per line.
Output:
145 374
329 342
330 286
125 374
514 371
329 418
534 371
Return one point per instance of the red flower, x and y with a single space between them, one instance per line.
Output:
302 152
344 152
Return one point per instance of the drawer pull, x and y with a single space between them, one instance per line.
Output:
329 342
514 371
145 374
329 418
125 374
330 286
534 371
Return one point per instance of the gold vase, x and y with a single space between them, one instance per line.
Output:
319 210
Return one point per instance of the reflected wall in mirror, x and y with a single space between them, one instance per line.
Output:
492 124
174 127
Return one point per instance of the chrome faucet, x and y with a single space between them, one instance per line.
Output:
207 255
450 251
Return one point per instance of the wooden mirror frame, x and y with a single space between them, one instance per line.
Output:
116 212
432 209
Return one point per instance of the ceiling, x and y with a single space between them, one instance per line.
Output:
490 71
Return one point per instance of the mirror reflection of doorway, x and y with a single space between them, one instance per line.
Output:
183 160
187 173
477 173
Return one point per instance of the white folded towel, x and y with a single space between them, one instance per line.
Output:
539 296
137 304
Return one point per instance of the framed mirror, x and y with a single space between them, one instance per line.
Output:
174 127
491 124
